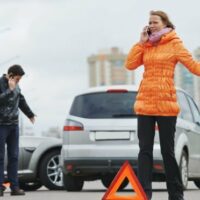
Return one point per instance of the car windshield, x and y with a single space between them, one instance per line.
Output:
104 105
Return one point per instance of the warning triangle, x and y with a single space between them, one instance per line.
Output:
125 171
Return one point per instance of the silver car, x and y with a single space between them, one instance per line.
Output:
100 134
39 163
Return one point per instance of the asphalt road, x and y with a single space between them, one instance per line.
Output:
95 191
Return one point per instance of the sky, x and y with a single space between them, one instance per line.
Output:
52 39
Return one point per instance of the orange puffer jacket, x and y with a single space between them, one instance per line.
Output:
157 94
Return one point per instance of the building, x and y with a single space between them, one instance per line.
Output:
197 80
23 128
107 68
188 81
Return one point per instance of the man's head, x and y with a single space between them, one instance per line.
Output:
16 72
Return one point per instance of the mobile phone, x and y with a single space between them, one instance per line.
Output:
148 31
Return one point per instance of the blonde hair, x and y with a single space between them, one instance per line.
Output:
164 17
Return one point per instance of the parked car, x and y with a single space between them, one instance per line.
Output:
100 134
39 163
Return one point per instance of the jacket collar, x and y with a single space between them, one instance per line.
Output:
165 38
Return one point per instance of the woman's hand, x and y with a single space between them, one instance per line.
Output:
144 35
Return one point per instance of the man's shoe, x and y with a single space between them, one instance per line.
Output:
17 191
1 192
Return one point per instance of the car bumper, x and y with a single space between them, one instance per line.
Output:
23 176
89 167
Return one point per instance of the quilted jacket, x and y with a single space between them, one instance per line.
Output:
157 94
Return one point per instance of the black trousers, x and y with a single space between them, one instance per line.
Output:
146 133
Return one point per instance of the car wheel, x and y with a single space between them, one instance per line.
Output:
197 183
184 169
50 172
72 183
108 178
30 186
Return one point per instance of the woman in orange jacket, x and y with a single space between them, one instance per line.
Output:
159 50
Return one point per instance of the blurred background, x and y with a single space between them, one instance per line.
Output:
67 46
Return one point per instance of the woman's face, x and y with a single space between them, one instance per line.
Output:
155 23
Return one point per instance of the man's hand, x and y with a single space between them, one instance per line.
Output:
12 83
32 119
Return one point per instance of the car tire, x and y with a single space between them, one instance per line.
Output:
50 172
72 183
30 186
108 178
184 169
197 183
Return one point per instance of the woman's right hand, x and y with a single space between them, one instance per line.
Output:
144 35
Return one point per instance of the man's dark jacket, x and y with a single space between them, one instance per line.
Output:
10 101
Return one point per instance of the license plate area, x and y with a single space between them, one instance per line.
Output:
112 135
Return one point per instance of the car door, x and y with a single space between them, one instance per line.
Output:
6 159
20 162
191 131
196 139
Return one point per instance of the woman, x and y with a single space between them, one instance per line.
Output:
159 49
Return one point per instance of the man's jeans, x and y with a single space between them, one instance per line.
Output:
9 134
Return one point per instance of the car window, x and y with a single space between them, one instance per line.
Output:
185 112
104 105
195 110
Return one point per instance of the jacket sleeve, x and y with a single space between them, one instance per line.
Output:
135 57
24 107
4 96
185 57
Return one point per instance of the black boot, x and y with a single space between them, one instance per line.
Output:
175 190
176 198
1 192
17 192
2 189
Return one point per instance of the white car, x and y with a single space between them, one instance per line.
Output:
100 134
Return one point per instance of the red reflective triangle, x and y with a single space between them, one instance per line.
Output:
125 171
